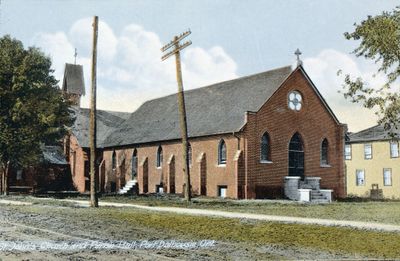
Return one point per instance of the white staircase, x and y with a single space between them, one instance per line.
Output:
129 187
318 197
307 190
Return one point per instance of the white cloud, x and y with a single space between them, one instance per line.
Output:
81 36
323 69
58 47
130 70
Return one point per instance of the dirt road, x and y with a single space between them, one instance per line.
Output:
51 226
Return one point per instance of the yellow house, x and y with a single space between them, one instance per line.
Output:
372 164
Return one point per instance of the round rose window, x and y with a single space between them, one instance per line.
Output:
295 100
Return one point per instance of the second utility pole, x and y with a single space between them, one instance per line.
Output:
181 104
94 202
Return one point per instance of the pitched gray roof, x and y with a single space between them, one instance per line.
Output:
107 122
73 79
215 109
54 155
374 133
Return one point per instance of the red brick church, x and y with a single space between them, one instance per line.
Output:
247 136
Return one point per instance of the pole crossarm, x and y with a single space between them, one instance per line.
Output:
179 48
176 39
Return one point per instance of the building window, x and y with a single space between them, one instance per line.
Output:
347 152
160 189
19 174
190 154
114 160
222 191
265 148
394 149
159 157
134 164
324 152
367 151
296 156
387 177
295 101
222 153
360 177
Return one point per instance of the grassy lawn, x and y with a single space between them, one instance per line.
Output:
370 244
367 243
372 211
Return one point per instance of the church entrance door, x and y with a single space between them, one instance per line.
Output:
296 156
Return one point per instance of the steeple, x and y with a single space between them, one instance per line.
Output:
73 85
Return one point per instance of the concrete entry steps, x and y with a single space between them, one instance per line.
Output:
307 190
129 188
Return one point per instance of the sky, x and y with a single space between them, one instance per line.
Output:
230 39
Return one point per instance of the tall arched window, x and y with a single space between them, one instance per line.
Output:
114 160
222 152
190 154
324 152
296 156
134 164
159 157
265 148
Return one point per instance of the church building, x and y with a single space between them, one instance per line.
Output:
249 137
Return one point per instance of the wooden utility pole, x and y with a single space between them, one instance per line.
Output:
181 103
94 202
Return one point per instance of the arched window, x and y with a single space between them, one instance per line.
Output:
265 148
114 160
134 164
296 156
221 153
324 152
159 157
189 154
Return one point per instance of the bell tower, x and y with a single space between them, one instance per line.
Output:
73 86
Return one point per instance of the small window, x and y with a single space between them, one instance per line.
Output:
160 189
19 174
347 152
190 154
394 149
295 101
367 151
324 152
360 177
222 153
387 177
159 157
222 191
265 148
114 160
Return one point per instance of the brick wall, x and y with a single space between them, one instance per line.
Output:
77 157
313 122
243 174
215 175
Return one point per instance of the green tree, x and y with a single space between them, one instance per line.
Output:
379 40
33 111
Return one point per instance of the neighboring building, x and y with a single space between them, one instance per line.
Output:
52 174
246 135
372 164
